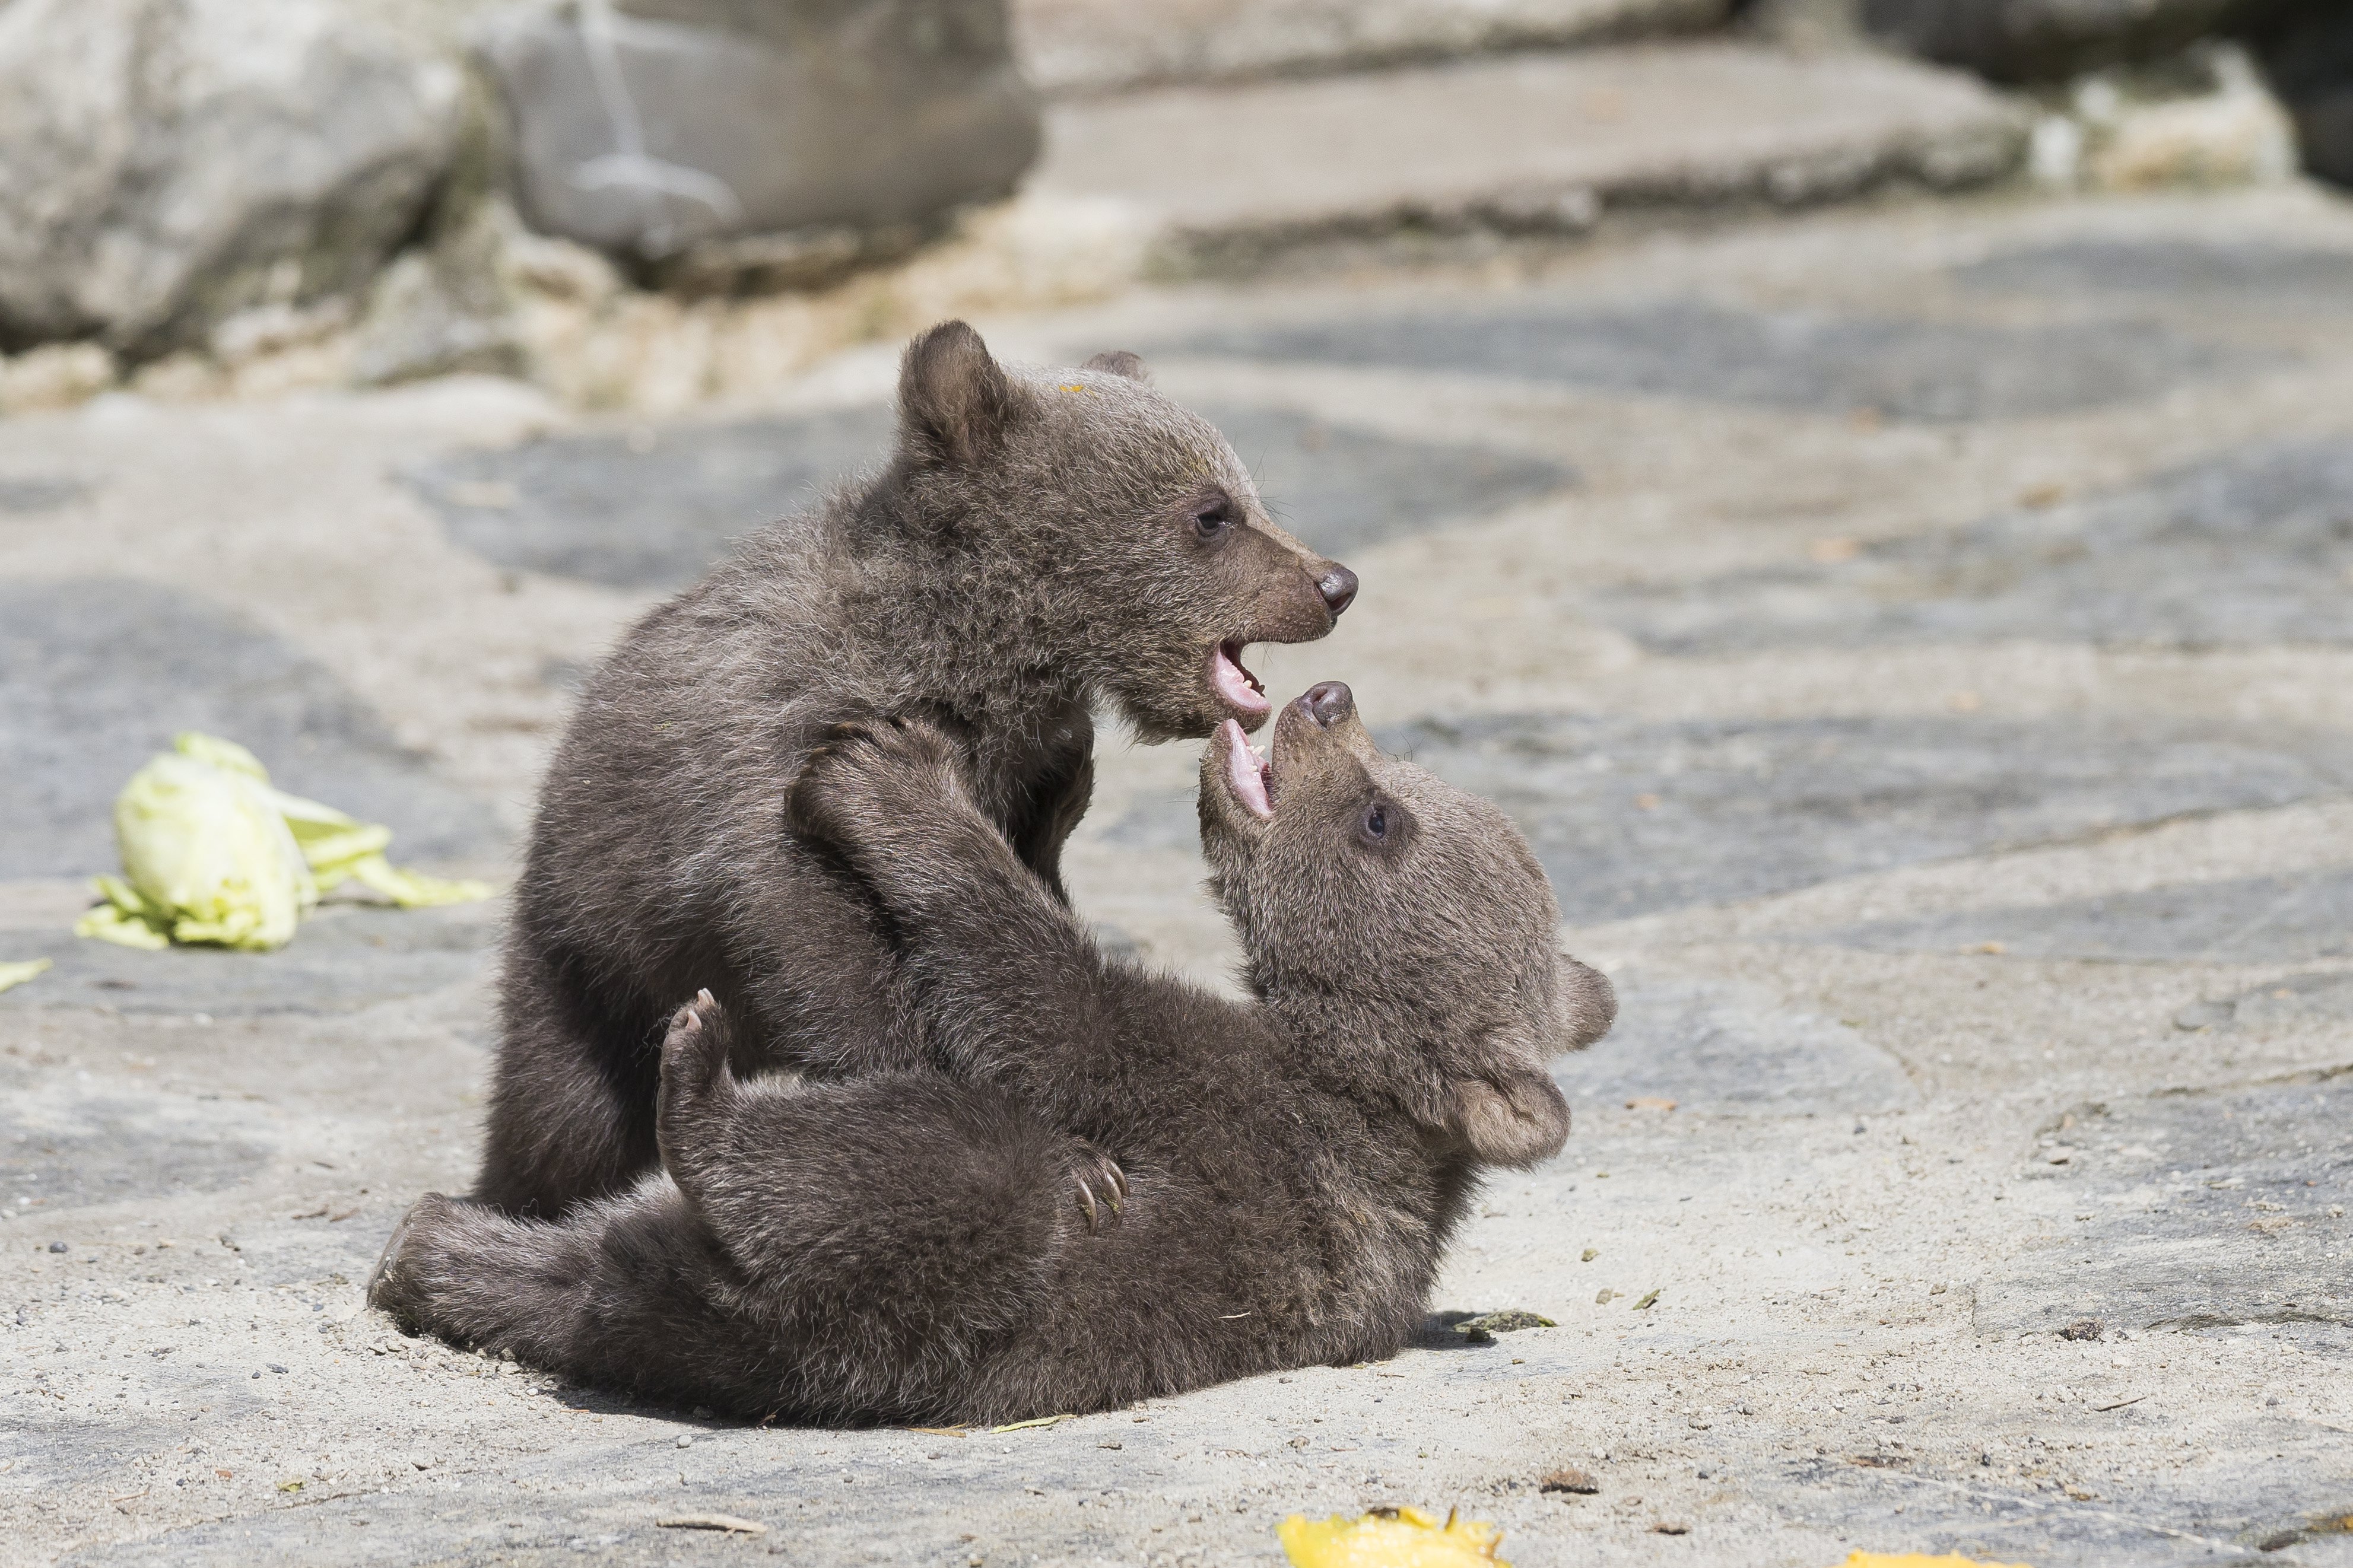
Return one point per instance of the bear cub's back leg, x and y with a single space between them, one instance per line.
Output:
903 1202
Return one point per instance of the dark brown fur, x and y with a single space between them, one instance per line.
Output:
957 1245
1033 549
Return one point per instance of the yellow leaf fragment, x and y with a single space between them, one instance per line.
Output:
1391 1538
1918 1559
17 973
1028 1426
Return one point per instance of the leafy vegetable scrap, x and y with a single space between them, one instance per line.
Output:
212 855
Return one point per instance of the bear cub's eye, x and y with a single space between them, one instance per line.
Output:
1376 823
1213 517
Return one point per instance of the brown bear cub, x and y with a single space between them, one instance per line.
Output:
1038 542
1121 1186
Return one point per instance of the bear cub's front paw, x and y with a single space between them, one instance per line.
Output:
1102 1185
694 1048
872 777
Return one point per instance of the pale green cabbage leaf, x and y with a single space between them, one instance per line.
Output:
212 855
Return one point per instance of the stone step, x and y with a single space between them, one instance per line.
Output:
1071 47
1225 177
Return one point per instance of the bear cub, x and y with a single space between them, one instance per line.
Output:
1040 543
1122 1185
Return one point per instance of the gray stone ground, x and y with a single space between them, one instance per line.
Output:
1919 641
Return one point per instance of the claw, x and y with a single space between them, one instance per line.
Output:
1102 1185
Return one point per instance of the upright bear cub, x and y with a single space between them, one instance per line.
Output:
1120 1186
1039 541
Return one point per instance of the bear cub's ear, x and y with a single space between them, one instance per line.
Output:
954 400
1119 361
1583 1005
1514 1118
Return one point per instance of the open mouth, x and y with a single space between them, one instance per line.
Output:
1248 776
1235 686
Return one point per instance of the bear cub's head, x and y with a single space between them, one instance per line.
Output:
1383 908
1114 532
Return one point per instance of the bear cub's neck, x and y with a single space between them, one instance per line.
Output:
973 634
1381 1061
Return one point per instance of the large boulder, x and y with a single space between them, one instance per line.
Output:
165 163
2043 40
2307 49
652 127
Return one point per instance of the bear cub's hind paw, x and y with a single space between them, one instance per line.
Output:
397 1285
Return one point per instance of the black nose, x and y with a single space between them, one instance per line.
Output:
1338 588
1329 702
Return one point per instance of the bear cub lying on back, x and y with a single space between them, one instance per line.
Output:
1040 542
1123 1186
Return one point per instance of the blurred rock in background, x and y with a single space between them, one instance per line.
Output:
646 204
2308 52
1099 46
166 164
2149 82
2043 40
823 135
2203 117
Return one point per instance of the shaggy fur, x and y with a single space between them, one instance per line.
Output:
1121 1186
1040 542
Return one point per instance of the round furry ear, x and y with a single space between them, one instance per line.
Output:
954 400
1584 1004
1119 361
1515 1117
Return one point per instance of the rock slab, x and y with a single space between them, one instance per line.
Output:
2307 52
1911 370
2043 40
648 131
1101 46
1531 143
98 674
658 514
1631 817
2204 1210
165 164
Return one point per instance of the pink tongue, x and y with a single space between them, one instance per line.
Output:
1242 772
1234 686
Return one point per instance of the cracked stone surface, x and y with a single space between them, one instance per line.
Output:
2170 269
97 675
2204 1210
352 955
2243 919
1901 369
1532 141
1727 1051
1632 818
1961 795
654 509
2253 547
